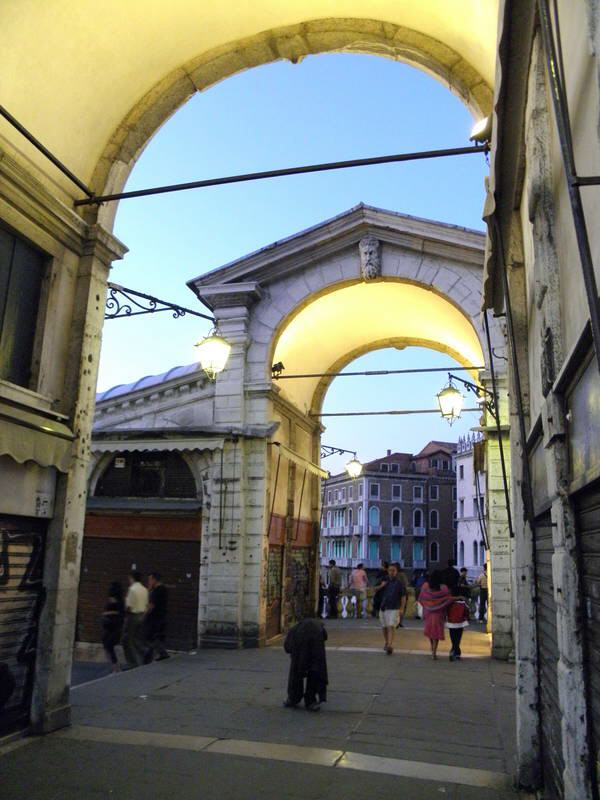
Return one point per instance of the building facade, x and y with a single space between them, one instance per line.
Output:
401 508
471 532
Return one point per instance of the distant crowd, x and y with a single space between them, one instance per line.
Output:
137 620
444 598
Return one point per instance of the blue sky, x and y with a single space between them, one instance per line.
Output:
326 108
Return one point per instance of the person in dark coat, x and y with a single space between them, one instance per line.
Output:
305 643
112 622
155 619
451 576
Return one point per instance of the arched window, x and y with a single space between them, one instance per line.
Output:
329 519
396 518
461 552
374 517
481 553
475 555
147 474
434 519
360 515
417 518
350 515
434 551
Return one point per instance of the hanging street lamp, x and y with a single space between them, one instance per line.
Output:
450 401
213 352
354 467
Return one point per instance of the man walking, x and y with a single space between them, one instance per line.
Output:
482 582
333 589
136 603
393 602
155 622
358 588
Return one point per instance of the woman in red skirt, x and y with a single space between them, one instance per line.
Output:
435 598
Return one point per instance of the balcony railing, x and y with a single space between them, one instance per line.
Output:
397 530
419 531
357 530
374 530
419 563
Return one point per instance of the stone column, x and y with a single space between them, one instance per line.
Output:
50 705
233 557
500 612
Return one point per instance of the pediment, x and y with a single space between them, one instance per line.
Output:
279 259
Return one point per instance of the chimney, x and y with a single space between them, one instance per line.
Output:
389 452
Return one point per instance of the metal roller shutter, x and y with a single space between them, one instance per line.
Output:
22 543
587 506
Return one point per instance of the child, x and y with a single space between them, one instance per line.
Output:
457 621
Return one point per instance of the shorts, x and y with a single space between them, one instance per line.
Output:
389 619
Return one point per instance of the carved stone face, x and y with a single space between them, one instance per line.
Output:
370 257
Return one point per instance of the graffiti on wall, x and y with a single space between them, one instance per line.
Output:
21 601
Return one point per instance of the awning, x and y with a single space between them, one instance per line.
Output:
301 461
27 435
168 445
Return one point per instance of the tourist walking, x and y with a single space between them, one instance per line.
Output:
382 575
307 678
136 603
155 621
358 589
393 603
464 587
112 623
435 598
482 582
450 576
458 620
333 588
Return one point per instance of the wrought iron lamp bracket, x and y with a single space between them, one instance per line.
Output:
124 302
326 451
484 395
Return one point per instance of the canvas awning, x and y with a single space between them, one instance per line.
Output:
154 444
301 461
28 435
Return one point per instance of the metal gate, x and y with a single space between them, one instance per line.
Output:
587 509
550 716
22 544
274 590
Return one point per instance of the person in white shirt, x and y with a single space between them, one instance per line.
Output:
482 582
136 603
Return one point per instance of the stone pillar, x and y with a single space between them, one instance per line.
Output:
568 596
50 705
500 612
232 609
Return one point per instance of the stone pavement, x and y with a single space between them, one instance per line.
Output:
212 725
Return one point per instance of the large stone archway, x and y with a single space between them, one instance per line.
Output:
310 302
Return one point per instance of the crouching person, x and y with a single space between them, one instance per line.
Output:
305 643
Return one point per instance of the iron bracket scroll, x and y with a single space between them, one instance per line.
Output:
484 396
327 450
124 302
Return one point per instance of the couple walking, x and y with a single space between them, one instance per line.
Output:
443 603
137 621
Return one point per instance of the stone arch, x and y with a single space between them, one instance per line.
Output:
291 43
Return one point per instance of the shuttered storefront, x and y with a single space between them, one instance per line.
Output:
22 543
114 544
550 716
587 505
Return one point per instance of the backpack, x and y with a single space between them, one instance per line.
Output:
458 612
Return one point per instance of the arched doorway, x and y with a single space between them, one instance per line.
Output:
366 280
144 513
